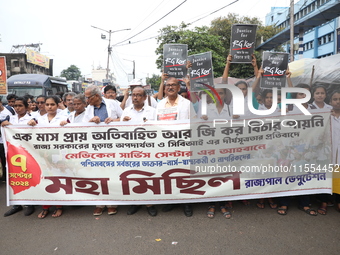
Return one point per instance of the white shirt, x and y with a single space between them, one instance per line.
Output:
184 109
55 121
36 114
112 107
325 107
296 110
212 112
147 112
3 114
146 102
14 119
76 119
65 112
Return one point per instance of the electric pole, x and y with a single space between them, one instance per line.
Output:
109 48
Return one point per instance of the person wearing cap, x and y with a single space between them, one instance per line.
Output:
175 107
149 100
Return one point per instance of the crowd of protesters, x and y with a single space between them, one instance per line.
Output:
174 95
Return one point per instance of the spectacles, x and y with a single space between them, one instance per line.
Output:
171 85
87 98
41 102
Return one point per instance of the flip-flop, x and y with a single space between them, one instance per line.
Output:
211 214
282 209
273 205
43 213
323 211
260 205
55 213
309 211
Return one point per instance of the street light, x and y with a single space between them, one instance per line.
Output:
133 72
109 48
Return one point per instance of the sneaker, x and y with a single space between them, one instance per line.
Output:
111 210
98 211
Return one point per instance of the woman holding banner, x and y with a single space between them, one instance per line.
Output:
51 118
22 116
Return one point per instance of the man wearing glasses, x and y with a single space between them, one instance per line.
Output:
99 110
139 111
175 107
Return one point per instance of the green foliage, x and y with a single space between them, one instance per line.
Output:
71 73
216 39
198 40
154 81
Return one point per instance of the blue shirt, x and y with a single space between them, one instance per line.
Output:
101 111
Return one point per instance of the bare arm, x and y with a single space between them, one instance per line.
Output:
254 64
161 86
255 86
126 96
226 70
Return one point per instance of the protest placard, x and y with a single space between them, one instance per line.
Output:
274 65
201 71
174 60
242 43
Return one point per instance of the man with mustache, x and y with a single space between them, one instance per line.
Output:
175 107
139 111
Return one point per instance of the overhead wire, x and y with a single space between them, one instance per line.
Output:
152 23
152 37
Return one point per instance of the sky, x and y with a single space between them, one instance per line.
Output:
64 28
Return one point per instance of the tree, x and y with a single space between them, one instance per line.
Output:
216 39
198 40
154 81
222 28
71 73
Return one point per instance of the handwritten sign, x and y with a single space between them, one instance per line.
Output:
274 65
3 76
201 70
242 42
175 57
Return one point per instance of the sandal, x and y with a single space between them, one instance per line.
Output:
57 212
309 211
260 204
225 212
43 213
211 212
246 202
229 205
272 205
323 208
282 211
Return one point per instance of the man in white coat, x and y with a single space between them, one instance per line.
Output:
100 109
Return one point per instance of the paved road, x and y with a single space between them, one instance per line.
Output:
250 231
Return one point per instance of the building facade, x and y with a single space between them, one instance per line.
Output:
316 26
26 63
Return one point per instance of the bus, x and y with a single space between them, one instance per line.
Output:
35 85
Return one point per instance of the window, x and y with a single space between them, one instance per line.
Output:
326 38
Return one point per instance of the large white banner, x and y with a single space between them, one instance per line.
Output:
168 162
